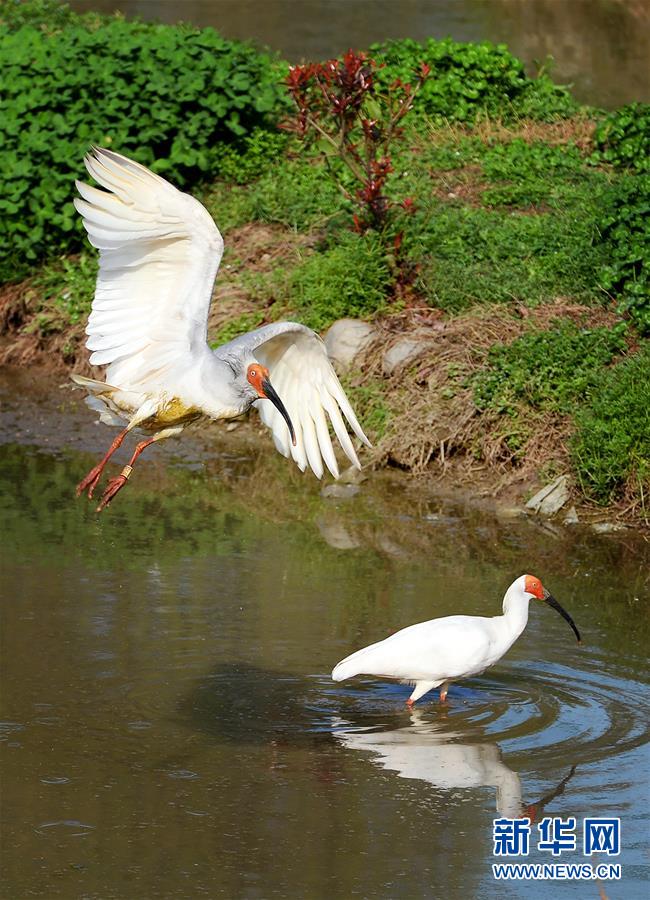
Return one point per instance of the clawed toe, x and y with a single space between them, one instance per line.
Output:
89 483
113 486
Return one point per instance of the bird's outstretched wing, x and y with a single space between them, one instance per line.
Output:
159 252
302 375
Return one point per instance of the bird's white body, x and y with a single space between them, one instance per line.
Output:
433 653
159 252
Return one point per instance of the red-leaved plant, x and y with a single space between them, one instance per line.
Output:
342 108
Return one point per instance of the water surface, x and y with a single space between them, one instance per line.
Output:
169 725
601 47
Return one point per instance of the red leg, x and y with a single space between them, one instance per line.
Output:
410 703
90 481
115 484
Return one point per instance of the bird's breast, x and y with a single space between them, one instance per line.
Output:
173 411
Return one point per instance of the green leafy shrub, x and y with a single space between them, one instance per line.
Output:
251 156
43 13
154 92
611 447
469 79
623 138
546 370
624 233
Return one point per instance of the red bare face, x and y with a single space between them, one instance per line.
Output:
534 586
255 375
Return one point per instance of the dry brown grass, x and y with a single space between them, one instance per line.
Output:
252 249
435 425
578 130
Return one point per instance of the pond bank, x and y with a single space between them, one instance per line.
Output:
425 446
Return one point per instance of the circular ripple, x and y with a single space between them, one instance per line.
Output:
558 714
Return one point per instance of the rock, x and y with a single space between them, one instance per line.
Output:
336 535
551 498
401 353
509 512
352 475
607 527
346 339
339 491
571 517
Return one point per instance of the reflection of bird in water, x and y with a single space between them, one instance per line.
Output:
432 654
425 752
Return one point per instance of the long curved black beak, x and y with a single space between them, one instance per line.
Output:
552 602
269 393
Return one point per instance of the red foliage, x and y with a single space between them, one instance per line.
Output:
339 102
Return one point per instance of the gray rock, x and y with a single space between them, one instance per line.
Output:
608 527
571 517
336 535
551 498
339 491
352 475
346 339
509 512
401 353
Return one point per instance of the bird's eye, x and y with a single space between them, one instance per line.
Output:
253 373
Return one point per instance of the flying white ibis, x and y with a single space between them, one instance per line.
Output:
435 653
159 252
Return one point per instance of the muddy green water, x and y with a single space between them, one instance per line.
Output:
601 47
169 726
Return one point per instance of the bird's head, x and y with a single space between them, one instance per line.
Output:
258 387
533 589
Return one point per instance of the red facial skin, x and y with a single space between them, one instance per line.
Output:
534 587
255 375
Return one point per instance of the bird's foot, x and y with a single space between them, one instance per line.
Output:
410 703
113 486
89 483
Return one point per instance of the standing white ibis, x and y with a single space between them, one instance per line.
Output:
159 252
433 654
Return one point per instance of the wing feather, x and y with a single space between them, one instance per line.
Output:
159 252
303 377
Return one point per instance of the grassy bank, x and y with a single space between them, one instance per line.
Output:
516 251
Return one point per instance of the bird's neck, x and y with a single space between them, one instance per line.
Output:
515 614
216 387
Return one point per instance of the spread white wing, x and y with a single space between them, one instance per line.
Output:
159 252
302 375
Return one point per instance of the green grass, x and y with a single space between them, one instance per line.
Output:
611 447
468 256
295 193
369 402
546 370
350 276
65 288
235 327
